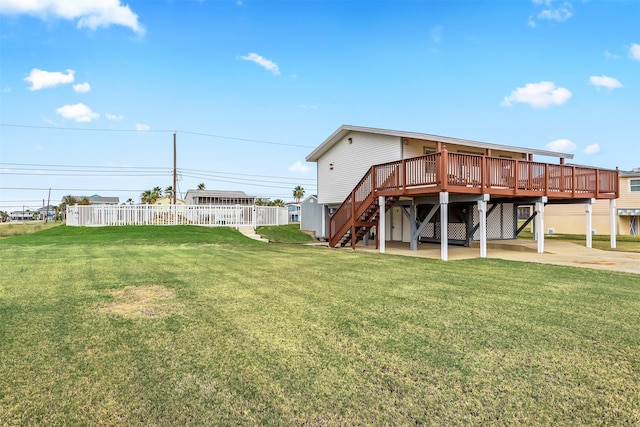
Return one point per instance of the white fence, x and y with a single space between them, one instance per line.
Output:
221 216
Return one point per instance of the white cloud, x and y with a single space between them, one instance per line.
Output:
41 79
634 51
610 55
538 95
592 149
605 81
559 14
265 63
299 167
309 107
142 127
90 14
78 112
562 145
550 13
82 87
114 117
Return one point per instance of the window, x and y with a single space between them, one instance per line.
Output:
634 185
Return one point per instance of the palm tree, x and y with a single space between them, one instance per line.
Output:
149 197
168 192
84 201
277 202
298 193
129 201
201 186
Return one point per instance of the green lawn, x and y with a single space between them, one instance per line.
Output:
198 326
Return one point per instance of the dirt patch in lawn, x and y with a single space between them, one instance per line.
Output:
143 302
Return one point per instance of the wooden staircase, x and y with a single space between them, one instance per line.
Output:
358 213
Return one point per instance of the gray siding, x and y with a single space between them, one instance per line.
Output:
311 216
351 161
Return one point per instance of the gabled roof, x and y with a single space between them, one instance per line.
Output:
343 130
633 173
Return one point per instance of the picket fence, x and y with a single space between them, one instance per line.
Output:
219 216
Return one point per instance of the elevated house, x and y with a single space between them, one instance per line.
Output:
218 198
96 199
416 187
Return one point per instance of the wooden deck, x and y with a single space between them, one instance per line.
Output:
464 174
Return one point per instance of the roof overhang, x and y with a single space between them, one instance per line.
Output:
344 130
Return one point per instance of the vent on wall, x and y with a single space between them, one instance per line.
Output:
551 231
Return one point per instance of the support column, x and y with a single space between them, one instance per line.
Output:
588 208
539 223
482 210
444 226
382 218
613 219
413 226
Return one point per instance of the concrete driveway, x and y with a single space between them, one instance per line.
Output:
559 253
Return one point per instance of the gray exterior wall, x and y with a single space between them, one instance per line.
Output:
311 216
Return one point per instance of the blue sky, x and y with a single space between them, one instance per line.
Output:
92 91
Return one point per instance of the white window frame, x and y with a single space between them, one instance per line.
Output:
634 185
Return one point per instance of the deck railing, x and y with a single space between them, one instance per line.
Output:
473 174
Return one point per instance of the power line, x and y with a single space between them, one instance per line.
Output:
208 135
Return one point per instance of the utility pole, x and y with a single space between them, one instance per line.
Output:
46 215
175 174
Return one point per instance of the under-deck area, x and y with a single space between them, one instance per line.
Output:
455 184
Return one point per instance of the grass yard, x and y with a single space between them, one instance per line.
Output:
196 326
16 228
289 233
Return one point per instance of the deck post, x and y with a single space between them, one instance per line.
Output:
612 222
382 218
539 223
482 210
444 225
413 243
588 208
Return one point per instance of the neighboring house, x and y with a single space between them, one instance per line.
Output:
570 219
50 212
218 198
475 188
311 216
294 211
23 215
168 201
99 200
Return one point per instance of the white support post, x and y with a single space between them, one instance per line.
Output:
444 226
588 208
539 207
381 223
254 219
612 222
482 210
413 219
